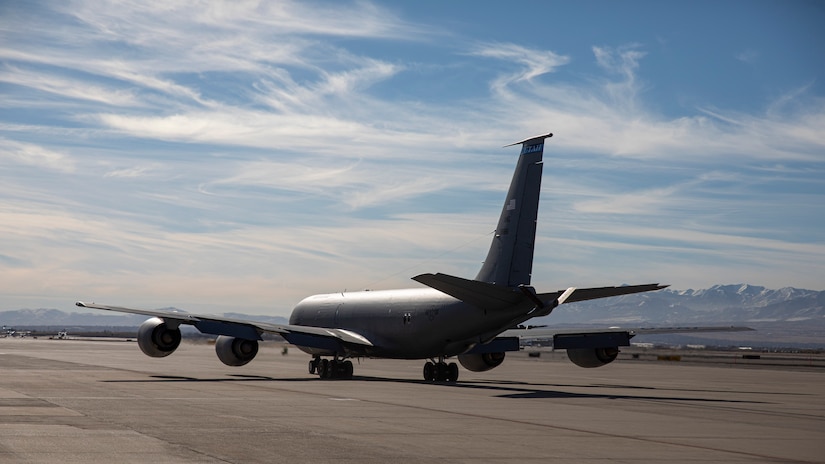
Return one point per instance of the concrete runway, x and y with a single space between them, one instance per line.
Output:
101 402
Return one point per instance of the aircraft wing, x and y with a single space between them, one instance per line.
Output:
318 337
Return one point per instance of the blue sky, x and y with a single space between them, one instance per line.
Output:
242 155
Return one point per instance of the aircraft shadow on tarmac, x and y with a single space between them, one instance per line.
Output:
506 389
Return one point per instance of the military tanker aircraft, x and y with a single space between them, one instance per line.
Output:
473 320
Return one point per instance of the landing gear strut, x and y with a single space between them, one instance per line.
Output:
440 371
331 368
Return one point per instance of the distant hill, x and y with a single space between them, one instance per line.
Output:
719 304
787 316
784 317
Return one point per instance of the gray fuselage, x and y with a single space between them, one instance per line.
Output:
404 324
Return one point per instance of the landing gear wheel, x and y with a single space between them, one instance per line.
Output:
331 368
429 372
440 372
452 372
324 369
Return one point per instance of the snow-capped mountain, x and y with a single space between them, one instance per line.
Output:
738 303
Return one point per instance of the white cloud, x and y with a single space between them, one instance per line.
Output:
30 154
612 119
155 24
70 88
132 172
534 62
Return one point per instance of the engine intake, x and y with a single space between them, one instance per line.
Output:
593 357
235 351
157 339
480 362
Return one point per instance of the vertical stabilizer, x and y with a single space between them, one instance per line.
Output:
510 259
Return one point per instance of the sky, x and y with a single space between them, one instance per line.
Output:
241 155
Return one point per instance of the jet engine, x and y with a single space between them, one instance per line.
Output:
157 339
480 362
235 351
592 357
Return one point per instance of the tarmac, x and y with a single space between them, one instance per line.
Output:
65 401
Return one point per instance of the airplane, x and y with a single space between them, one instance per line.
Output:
11 332
474 320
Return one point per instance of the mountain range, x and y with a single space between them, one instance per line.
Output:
787 317
783 317
719 304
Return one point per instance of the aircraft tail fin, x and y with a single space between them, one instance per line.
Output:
509 261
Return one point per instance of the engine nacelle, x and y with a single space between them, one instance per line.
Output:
235 351
480 362
592 357
157 339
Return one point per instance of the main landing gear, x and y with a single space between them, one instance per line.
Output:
331 368
440 371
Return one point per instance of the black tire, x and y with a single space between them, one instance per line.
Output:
452 370
441 372
429 372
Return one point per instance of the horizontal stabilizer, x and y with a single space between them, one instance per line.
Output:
482 295
583 294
